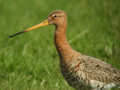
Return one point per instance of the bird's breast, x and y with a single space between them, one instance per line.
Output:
73 73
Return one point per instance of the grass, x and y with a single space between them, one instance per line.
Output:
30 61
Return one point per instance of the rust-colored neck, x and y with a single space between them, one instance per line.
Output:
61 42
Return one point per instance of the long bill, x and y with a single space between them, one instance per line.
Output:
44 23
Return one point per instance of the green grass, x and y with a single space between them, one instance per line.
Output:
30 61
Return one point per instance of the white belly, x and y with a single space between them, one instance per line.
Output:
96 85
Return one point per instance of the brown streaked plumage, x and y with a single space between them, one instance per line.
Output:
80 71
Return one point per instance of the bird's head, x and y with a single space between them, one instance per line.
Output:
57 17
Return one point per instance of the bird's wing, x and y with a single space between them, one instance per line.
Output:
101 71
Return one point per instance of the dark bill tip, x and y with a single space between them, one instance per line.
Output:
13 35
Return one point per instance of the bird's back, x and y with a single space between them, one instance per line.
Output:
88 73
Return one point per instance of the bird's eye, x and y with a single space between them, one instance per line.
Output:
55 16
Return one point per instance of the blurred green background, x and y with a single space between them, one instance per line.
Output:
30 61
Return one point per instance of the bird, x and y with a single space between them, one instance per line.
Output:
81 72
